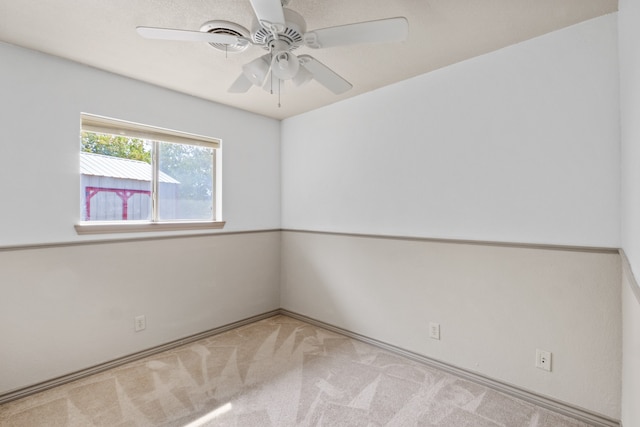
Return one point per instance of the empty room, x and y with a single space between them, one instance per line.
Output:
305 213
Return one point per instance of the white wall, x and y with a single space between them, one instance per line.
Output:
65 308
42 98
495 305
519 145
68 308
629 35
630 351
630 109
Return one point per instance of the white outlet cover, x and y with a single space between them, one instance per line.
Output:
140 323
543 360
434 331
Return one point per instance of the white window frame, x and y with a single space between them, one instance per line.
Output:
100 124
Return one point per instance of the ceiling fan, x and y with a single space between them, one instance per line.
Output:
280 31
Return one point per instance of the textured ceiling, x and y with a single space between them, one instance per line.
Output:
102 34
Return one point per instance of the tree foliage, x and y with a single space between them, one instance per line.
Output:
116 146
192 165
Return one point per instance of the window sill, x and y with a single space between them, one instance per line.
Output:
136 227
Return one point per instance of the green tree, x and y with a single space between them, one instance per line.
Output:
192 165
117 146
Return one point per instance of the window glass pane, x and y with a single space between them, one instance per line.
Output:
115 180
185 187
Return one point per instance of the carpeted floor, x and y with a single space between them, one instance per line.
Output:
276 372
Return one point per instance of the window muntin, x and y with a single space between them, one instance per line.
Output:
134 173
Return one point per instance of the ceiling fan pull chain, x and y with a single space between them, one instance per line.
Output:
271 76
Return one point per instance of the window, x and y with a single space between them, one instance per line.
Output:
141 178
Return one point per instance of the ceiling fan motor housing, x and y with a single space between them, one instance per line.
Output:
292 34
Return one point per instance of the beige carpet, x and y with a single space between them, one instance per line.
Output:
276 372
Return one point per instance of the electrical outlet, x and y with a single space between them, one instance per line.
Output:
543 359
141 323
434 331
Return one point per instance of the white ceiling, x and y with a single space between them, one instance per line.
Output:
101 33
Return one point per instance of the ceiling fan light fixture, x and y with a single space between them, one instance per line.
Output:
285 65
256 71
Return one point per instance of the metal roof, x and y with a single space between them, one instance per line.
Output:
116 167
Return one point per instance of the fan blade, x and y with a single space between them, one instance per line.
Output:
384 30
324 75
241 85
188 36
270 14
303 77
257 70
